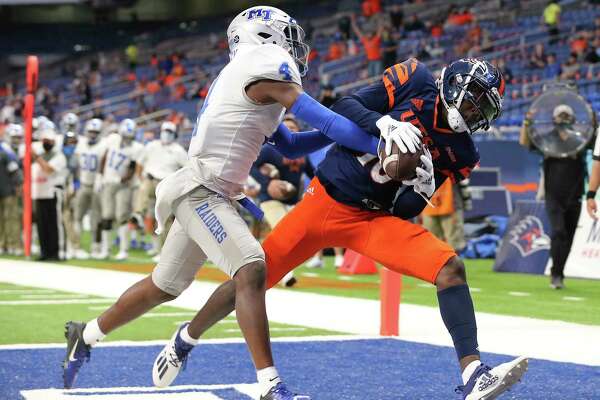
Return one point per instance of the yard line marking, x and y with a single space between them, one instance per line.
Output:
220 322
45 302
474 289
519 294
26 291
426 285
53 296
345 278
169 314
573 298
310 274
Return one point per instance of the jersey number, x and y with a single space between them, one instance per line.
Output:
377 173
89 162
284 71
116 160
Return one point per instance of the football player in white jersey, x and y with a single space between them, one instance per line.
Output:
245 105
122 153
89 152
69 123
159 159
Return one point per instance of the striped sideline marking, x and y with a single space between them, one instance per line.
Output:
53 296
26 291
573 298
129 343
519 294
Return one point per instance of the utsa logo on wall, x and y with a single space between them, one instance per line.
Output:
584 258
526 243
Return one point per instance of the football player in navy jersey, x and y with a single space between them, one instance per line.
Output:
359 207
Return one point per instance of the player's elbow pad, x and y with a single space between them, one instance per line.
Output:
334 126
408 205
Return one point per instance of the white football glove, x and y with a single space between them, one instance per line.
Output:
424 183
406 136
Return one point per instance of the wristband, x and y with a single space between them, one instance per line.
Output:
591 194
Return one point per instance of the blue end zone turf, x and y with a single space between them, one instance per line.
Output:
357 369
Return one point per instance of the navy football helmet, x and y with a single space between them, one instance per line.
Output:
471 91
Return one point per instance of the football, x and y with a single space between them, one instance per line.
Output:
400 166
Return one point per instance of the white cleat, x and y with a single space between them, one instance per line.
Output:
171 359
156 258
488 383
81 254
121 256
314 262
102 255
339 261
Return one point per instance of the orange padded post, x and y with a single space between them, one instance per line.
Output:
391 286
355 263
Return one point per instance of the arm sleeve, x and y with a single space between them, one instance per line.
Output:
364 107
336 127
295 145
409 204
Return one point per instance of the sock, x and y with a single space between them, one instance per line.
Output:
134 234
458 314
185 336
466 374
105 241
267 379
123 242
92 333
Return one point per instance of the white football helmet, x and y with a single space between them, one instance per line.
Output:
168 132
69 123
14 131
92 129
263 24
127 129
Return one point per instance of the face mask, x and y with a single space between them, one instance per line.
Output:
48 146
167 137
68 150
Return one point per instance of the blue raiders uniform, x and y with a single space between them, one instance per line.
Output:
406 92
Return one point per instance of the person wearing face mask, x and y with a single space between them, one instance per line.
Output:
159 158
48 173
564 177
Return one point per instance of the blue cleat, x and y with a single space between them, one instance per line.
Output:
171 360
77 352
488 383
280 392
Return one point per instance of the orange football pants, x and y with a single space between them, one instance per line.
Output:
318 221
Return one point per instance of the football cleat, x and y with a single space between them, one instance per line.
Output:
171 360
121 256
81 254
77 352
280 392
488 383
314 262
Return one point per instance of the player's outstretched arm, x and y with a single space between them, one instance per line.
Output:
332 125
298 144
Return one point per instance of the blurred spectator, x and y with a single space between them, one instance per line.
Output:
553 68
551 18
396 16
344 24
154 60
579 46
371 7
570 69
132 56
593 54
388 47
436 31
446 220
414 24
372 45
538 59
506 72
458 17
327 97
337 49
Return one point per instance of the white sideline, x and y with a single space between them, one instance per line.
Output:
550 340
